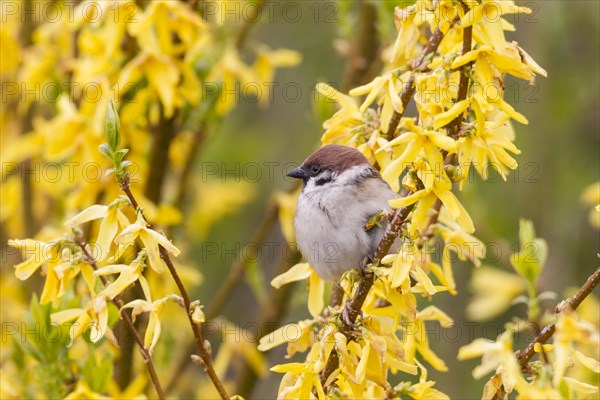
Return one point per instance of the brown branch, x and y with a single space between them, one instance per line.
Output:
453 128
337 295
190 160
159 158
89 258
238 268
29 222
405 97
463 85
272 311
525 355
248 23
362 62
354 305
223 294
409 87
200 342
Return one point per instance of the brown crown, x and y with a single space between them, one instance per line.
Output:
336 158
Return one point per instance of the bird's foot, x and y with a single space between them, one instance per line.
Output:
363 265
349 315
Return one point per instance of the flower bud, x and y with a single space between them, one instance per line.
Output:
112 126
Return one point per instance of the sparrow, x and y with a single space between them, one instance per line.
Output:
341 194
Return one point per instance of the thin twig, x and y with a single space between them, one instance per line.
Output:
362 58
407 94
272 311
236 271
223 294
198 138
525 355
238 268
200 342
159 157
463 85
89 258
248 23
29 221
409 87
453 128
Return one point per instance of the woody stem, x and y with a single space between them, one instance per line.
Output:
129 323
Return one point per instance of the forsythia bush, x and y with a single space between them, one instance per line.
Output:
170 71
102 236
451 57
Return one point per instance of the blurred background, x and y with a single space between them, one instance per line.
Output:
242 160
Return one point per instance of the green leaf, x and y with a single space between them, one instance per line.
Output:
106 151
375 220
113 314
526 231
97 374
547 295
125 164
530 261
520 300
119 155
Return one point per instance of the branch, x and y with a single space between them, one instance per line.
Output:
248 23
355 305
525 355
236 272
409 87
453 128
159 159
238 268
190 160
200 342
29 221
362 61
405 97
272 311
463 85
89 258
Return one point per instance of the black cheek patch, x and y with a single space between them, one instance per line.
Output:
323 180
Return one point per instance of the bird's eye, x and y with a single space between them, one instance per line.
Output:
315 168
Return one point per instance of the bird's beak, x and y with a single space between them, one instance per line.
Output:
297 173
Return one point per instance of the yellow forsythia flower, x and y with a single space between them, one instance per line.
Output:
151 240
